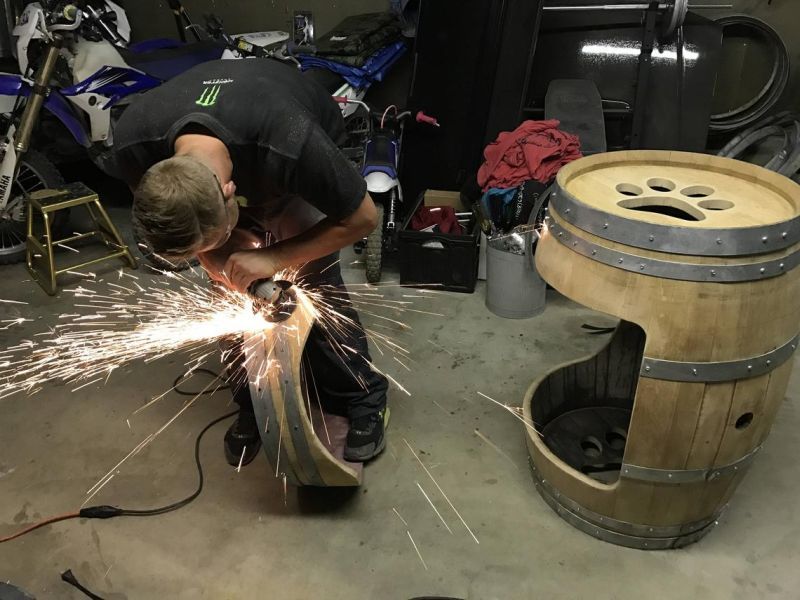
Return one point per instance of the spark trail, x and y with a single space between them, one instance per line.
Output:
124 322
113 323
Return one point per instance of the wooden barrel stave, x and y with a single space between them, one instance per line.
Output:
683 428
281 405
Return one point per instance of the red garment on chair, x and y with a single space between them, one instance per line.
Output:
534 150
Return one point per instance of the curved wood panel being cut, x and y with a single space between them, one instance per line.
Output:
303 443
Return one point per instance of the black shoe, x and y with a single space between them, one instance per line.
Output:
242 441
366 440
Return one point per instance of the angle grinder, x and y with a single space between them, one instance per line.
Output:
275 298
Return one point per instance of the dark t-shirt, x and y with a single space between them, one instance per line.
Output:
278 126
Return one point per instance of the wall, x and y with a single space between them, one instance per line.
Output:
153 18
784 16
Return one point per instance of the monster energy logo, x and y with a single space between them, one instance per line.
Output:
209 96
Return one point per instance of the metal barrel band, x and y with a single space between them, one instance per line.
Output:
687 475
697 241
716 372
642 537
272 427
294 421
270 431
674 270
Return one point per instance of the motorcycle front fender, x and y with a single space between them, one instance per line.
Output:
12 86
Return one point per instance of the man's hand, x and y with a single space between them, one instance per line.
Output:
247 266
214 261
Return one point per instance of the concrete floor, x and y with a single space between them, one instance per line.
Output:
244 539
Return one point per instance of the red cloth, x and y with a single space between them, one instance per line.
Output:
534 150
443 216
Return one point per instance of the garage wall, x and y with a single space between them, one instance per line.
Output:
153 18
784 16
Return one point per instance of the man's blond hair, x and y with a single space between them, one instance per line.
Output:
176 206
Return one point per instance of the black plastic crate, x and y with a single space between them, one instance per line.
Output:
440 261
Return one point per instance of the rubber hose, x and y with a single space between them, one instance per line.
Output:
754 137
779 159
783 117
769 95
792 164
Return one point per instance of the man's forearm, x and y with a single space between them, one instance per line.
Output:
325 237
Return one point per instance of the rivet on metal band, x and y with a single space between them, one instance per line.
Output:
698 241
717 273
686 475
632 535
710 372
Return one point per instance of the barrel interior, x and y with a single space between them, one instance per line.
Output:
582 411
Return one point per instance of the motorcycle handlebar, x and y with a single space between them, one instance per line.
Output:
420 117
423 118
71 13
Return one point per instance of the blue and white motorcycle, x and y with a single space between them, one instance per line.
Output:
73 72
379 162
76 63
78 70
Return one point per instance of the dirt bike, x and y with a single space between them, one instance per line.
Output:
380 164
73 72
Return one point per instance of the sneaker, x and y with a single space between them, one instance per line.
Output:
366 440
242 440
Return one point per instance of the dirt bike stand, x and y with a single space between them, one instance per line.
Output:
44 205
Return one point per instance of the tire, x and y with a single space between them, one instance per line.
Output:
36 172
374 249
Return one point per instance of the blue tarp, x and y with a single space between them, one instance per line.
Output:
373 70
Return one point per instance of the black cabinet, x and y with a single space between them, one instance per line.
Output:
471 63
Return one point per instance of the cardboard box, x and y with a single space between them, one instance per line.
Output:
443 198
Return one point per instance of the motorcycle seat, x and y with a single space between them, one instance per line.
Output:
166 63
381 153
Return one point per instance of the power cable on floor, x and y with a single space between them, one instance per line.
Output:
107 512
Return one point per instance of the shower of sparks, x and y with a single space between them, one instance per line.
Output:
130 322
413 543
433 506
447 412
441 491
127 325
11 322
241 460
70 248
113 324
496 447
515 411
442 348
399 516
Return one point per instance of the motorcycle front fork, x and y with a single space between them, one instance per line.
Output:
390 224
389 227
19 139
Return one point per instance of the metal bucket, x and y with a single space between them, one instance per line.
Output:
514 289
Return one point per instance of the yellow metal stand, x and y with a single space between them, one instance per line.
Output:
40 256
